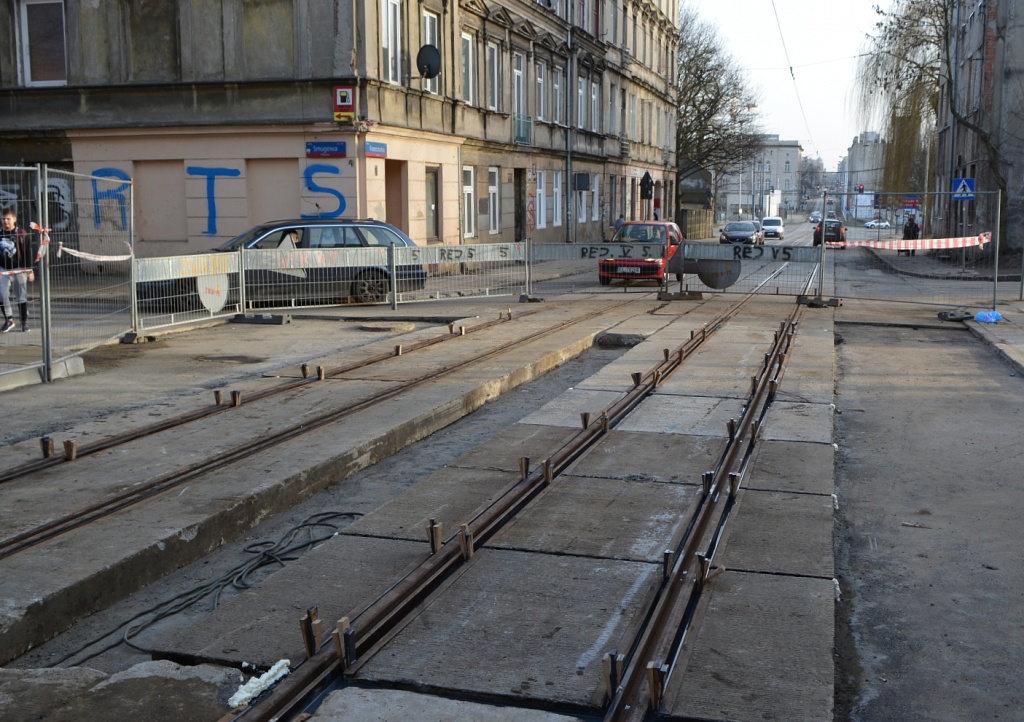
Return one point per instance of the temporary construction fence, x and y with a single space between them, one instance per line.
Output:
90 288
81 246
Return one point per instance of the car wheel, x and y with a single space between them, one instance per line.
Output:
605 281
370 287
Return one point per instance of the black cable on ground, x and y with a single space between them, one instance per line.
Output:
267 553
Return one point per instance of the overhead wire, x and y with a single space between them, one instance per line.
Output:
792 75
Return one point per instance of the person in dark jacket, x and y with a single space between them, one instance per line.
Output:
16 262
911 231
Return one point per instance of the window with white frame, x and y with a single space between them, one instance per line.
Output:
556 91
581 102
493 76
581 206
542 199
469 200
613 112
391 40
556 192
468 70
431 23
542 98
518 83
596 187
43 56
494 200
595 108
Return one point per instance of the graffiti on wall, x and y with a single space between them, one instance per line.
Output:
333 207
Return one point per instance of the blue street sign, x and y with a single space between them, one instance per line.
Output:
963 189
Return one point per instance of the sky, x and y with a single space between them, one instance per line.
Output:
816 104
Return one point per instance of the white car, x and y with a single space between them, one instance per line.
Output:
877 224
774 227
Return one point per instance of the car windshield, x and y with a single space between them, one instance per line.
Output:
740 228
640 233
771 222
243 240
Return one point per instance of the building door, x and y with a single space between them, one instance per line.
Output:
433 205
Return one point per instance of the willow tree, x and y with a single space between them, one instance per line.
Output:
899 78
716 128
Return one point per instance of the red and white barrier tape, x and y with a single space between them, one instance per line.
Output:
925 244
45 235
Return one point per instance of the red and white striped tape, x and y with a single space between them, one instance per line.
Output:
926 244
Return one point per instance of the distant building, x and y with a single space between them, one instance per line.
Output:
767 186
541 122
864 165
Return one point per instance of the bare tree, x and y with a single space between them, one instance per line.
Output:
717 128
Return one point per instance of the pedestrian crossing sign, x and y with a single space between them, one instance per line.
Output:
963 189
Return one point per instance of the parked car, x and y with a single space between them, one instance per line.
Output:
322 281
774 227
739 232
645 236
876 223
835 233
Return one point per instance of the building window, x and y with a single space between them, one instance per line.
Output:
518 84
581 103
556 214
468 70
595 110
493 200
542 100
613 114
469 200
392 41
581 206
542 200
787 166
492 76
431 23
556 90
632 117
596 215
42 51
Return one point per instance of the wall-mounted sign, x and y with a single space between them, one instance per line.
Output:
325 149
376 150
344 103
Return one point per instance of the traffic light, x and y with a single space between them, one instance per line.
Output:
860 189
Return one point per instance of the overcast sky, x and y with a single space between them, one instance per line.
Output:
822 39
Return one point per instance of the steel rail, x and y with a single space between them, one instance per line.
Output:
643 676
110 442
32 537
365 628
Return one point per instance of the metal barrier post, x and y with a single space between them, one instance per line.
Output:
241 280
46 310
392 272
529 267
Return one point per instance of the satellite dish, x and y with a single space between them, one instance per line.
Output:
428 62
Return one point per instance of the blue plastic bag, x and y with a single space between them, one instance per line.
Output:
988 316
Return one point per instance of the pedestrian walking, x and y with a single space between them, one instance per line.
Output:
618 222
911 231
16 266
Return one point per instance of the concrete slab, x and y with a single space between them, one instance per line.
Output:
449 496
793 466
763 651
382 705
518 626
608 518
710 373
261 625
648 456
503 451
780 533
799 421
151 691
669 414
565 410
807 383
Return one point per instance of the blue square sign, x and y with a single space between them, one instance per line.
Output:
963 189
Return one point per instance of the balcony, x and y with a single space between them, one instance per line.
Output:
523 129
